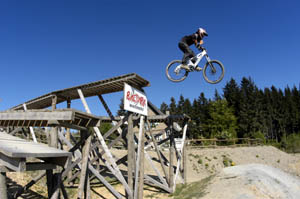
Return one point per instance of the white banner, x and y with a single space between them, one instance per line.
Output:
135 100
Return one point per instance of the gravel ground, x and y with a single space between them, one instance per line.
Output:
254 181
205 162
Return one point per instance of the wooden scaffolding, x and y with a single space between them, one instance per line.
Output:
92 155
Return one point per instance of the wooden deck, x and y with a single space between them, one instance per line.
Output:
68 118
14 153
110 85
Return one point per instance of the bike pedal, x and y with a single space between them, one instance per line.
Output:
197 68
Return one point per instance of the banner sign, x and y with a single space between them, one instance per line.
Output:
135 100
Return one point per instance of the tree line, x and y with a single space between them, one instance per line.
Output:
243 110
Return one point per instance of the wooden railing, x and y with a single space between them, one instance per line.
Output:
235 142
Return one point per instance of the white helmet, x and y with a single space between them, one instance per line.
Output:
202 32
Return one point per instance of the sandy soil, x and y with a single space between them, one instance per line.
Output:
253 181
203 163
206 162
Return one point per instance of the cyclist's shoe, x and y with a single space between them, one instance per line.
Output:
197 68
185 67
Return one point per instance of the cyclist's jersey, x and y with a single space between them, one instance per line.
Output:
190 39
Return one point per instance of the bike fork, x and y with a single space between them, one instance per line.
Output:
210 64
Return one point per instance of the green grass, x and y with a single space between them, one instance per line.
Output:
192 190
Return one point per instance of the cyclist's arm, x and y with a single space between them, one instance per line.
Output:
200 42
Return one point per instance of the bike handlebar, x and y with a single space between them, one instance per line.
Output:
201 48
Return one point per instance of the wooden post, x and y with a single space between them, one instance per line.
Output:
54 130
50 178
3 187
171 159
138 159
142 158
131 154
51 182
82 188
68 137
185 170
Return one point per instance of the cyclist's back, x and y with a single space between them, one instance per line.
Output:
188 40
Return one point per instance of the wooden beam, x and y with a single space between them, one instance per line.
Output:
16 164
3 187
93 170
141 163
131 154
84 164
158 152
138 159
30 128
28 185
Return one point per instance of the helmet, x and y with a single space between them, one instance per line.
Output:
202 32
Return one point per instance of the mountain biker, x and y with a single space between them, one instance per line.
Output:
188 40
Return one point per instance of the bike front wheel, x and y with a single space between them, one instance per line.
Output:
213 71
174 72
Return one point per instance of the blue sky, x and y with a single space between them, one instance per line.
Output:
52 45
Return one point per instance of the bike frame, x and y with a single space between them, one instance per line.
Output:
199 57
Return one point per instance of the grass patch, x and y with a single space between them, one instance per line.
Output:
227 162
192 190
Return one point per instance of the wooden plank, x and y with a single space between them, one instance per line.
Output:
66 125
19 148
37 115
34 166
89 89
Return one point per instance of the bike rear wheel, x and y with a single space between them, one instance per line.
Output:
174 72
213 71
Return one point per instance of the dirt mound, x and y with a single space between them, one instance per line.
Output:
206 162
254 181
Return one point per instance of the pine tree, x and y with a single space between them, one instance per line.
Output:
164 108
232 95
173 107
222 121
121 111
249 109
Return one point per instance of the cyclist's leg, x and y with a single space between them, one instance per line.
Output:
188 53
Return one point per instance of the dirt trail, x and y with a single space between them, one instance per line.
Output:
203 163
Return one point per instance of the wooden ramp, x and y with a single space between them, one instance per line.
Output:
14 153
92 156
110 85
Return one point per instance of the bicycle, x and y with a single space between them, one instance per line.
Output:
213 70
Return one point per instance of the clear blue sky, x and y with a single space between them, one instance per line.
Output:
52 45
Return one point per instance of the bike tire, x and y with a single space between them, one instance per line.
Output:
219 69
169 71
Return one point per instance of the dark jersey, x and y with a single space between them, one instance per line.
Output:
190 39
